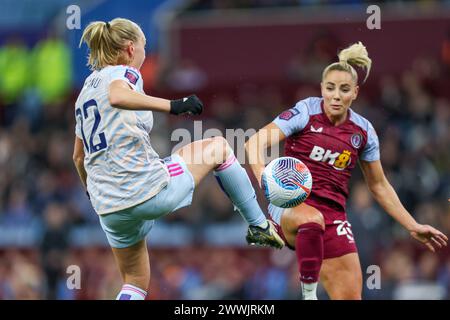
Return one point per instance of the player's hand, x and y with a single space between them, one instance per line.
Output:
187 105
429 236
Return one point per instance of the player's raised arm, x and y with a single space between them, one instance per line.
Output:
284 125
385 195
121 46
123 97
256 146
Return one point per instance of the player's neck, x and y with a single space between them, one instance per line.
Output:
336 120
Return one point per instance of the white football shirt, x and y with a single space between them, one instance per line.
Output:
122 168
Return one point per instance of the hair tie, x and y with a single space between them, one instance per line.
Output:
108 25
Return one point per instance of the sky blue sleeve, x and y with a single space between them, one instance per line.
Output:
371 151
293 120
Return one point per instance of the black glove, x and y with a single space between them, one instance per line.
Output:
189 105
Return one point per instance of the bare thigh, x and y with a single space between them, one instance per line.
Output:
203 156
342 277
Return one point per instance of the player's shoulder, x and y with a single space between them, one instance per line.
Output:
125 72
303 108
119 67
89 78
360 121
311 105
86 84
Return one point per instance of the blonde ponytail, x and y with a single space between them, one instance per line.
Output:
354 55
106 40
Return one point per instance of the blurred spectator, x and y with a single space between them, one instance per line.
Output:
424 285
14 68
149 72
446 51
20 276
54 247
444 276
53 71
18 212
320 53
186 76
370 225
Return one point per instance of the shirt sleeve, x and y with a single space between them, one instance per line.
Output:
77 123
294 119
371 150
78 130
128 74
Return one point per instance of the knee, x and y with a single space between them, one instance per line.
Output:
221 148
310 216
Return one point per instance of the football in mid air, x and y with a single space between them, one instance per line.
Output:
286 182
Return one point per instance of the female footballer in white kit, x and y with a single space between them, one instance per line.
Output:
128 184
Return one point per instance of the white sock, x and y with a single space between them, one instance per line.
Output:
130 292
309 291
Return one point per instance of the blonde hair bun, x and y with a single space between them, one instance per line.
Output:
356 55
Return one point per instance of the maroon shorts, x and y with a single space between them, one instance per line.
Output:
338 238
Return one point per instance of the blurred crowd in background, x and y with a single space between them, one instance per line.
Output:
47 222
249 4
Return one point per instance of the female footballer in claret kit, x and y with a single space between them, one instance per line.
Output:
330 138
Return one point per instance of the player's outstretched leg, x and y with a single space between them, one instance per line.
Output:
215 154
303 227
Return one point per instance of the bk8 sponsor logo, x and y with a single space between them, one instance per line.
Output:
338 161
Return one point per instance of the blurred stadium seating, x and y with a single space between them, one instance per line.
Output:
247 72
